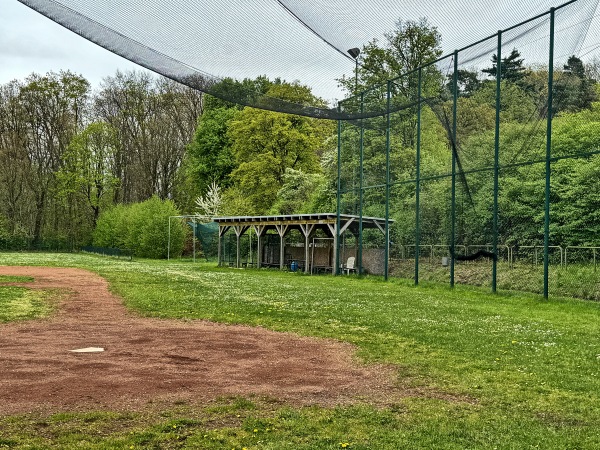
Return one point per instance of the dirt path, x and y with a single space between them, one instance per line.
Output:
147 360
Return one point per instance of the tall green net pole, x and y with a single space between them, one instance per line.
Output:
339 195
548 151
361 182
418 179
454 149
387 185
496 162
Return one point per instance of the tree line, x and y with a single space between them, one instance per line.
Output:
70 154
67 153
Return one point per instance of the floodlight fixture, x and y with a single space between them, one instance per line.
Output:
354 52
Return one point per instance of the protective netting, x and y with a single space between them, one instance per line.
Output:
201 42
208 236
483 182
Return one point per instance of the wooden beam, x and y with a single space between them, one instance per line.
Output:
381 227
307 230
281 229
279 222
346 225
259 229
223 229
331 228
240 229
335 251
237 250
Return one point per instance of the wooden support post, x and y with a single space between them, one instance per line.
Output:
239 230
222 231
219 252
282 230
260 231
237 249
336 247
307 230
281 251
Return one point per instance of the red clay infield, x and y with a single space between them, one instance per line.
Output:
148 360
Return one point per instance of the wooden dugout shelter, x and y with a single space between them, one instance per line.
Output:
307 224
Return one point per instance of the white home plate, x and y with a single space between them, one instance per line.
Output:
88 350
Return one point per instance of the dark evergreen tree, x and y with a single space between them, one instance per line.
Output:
511 67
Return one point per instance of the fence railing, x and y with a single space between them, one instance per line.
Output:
107 251
577 247
507 253
26 243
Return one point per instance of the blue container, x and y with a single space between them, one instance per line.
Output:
294 266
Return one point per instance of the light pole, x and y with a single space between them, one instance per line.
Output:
354 52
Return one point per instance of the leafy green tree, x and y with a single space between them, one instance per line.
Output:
88 167
230 93
298 193
467 82
576 211
265 144
574 90
473 117
410 45
53 109
210 157
112 227
516 104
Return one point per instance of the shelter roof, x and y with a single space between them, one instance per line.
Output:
304 218
322 220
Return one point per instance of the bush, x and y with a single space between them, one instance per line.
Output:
141 228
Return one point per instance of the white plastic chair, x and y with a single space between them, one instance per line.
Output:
349 266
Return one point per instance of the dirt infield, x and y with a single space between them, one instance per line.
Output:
148 360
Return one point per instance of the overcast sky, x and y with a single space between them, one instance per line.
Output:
243 38
30 42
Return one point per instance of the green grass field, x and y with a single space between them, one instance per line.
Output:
518 371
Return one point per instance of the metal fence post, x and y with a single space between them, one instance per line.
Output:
418 179
548 151
361 181
496 162
387 185
338 197
453 147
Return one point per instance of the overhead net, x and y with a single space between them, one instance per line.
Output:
200 43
